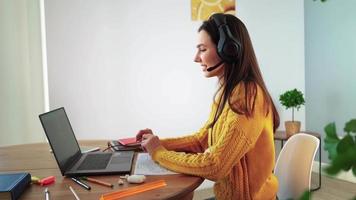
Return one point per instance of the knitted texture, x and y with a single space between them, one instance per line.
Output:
239 156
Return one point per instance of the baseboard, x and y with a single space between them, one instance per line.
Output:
345 176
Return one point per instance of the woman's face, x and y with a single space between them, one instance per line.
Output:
207 55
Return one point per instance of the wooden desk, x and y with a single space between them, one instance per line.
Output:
38 161
282 136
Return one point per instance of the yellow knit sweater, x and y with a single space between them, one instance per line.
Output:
239 157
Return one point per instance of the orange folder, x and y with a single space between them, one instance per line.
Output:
133 190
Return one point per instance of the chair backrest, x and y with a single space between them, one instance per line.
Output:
294 165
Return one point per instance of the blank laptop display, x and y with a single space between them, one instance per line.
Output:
70 159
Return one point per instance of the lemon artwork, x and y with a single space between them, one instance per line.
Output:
202 9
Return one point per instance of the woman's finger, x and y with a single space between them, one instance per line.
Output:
146 136
143 132
139 134
143 145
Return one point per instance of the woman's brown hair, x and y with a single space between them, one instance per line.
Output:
244 70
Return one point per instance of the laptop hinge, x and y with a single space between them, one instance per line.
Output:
71 162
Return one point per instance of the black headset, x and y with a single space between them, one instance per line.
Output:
229 48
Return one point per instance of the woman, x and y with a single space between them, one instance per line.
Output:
235 147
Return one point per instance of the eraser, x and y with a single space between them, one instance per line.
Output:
136 179
47 180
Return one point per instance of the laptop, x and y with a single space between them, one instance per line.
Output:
71 161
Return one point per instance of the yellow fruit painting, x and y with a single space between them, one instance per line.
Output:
202 9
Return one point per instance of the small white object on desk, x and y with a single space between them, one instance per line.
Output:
136 178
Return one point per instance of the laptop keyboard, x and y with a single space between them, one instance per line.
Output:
95 161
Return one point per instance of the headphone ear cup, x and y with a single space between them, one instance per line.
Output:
229 49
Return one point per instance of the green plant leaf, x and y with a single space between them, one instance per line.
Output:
342 152
331 140
292 99
342 161
345 143
305 196
343 146
350 126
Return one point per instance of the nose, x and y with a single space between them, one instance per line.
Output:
197 58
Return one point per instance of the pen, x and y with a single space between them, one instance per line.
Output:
81 183
46 194
74 193
97 181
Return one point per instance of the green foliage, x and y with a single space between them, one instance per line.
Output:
306 196
342 152
331 140
350 127
292 99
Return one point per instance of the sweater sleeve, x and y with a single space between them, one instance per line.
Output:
194 143
237 137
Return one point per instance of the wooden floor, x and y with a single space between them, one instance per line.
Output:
331 189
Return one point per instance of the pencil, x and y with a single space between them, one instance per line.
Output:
97 181
75 194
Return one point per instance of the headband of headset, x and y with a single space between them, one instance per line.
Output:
228 47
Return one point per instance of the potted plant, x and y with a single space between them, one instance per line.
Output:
292 99
341 150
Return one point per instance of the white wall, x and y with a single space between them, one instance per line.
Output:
330 46
118 66
21 91
277 31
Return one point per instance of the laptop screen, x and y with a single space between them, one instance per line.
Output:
60 136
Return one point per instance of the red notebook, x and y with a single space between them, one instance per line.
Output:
129 141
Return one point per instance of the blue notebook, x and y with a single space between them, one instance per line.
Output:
13 185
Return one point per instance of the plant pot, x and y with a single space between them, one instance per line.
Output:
292 127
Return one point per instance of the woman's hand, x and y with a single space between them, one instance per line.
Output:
150 142
143 132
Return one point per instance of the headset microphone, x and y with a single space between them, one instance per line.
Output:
209 69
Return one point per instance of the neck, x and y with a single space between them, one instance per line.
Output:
221 80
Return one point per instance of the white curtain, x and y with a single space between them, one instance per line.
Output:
21 82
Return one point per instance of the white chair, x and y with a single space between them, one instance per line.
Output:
294 165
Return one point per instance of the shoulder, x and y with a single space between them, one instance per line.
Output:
246 97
